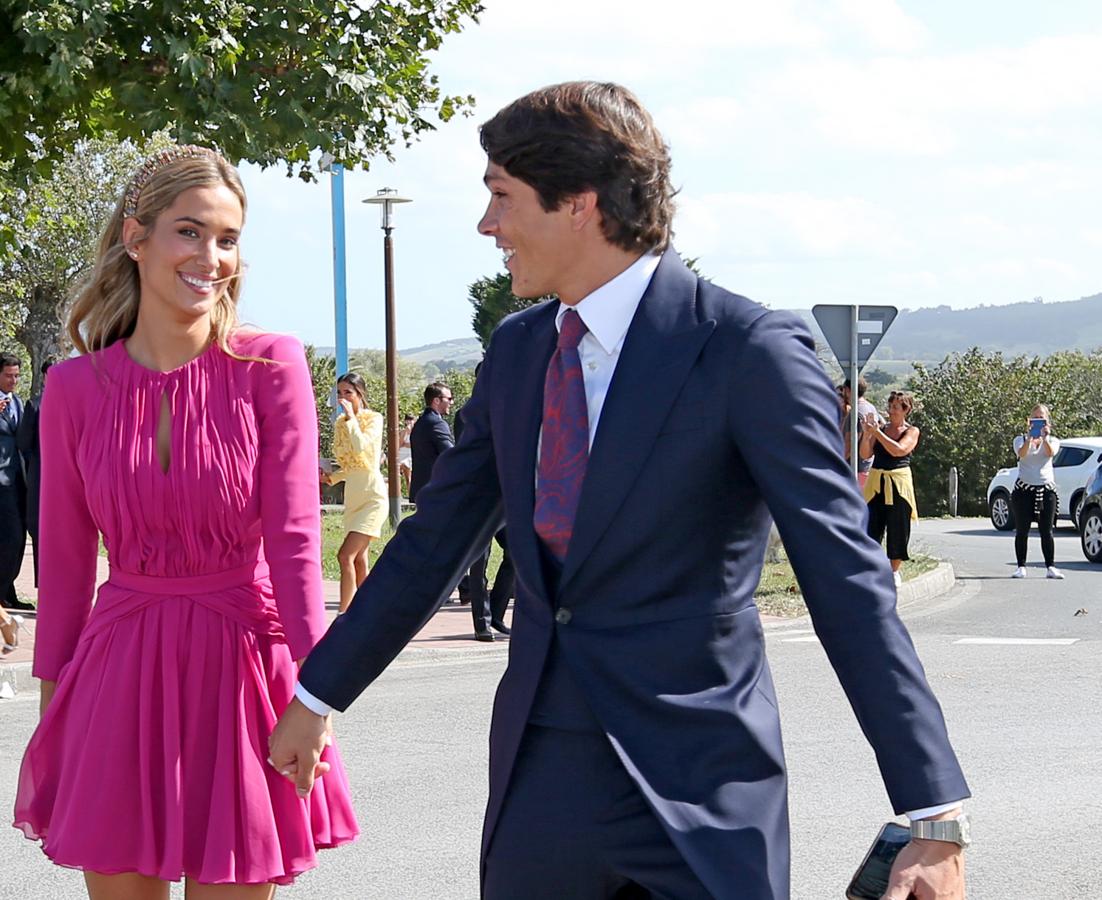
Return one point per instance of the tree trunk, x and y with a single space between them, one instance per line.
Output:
42 332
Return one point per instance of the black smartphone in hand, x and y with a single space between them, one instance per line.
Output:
871 879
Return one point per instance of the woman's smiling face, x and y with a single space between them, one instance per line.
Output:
191 253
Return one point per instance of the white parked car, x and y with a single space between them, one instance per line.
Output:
1073 466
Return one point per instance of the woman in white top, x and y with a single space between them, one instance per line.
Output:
1034 493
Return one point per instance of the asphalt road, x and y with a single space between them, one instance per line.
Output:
1025 718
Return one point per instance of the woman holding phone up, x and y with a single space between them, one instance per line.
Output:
889 490
1034 494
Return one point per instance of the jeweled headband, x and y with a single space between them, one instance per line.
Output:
151 165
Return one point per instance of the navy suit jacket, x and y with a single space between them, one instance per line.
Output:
429 437
11 462
719 415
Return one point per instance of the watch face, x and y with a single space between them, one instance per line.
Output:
965 825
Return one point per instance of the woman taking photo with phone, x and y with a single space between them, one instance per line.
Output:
1034 494
357 443
190 444
890 491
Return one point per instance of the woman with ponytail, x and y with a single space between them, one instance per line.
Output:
190 444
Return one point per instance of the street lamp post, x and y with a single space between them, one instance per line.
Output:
385 199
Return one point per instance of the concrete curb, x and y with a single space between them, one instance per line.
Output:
913 593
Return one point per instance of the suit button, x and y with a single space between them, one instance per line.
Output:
563 616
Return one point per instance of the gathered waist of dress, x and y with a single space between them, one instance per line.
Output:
125 593
207 583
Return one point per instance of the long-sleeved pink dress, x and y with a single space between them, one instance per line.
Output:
152 755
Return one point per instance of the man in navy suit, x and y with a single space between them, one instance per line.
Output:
637 434
13 485
430 436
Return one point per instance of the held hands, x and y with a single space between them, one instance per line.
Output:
296 744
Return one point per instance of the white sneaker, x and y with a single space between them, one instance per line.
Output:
1019 572
1053 572
898 579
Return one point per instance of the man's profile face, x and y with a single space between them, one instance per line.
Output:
9 379
443 403
536 243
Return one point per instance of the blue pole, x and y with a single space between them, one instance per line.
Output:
340 280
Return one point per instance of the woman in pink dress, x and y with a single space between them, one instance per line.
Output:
191 445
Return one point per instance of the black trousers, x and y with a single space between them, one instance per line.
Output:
1024 503
575 827
13 540
895 520
489 605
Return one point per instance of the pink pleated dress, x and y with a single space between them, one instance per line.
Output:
152 756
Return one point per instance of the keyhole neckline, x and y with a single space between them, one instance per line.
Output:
159 373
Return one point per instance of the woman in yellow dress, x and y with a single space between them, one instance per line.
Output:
357 443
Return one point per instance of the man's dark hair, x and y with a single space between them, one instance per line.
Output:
862 385
433 391
584 135
8 359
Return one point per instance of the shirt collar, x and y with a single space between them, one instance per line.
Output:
608 311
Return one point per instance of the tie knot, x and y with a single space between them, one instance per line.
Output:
571 331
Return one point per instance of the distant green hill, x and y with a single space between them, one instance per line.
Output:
1031 329
917 335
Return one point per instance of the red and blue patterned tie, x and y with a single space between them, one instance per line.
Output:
564 446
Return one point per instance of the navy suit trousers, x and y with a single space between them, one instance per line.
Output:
575 825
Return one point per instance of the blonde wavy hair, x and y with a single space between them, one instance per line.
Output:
106 309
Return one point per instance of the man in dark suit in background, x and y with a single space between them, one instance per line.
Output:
430 436
488 605
26 439
637 434
13 485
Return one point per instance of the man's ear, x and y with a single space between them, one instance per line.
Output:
583 209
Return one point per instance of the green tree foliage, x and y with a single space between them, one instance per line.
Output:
53 225
264 82
972 406
323 375
493 299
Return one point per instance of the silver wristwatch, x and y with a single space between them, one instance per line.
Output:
956 831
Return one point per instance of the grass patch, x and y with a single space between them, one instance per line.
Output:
332 535
778 594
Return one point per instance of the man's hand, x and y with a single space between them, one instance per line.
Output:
929 870
296 744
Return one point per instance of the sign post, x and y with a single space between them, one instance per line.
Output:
853 333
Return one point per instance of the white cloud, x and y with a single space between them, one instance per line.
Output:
636 25
921 105
884 25
787 226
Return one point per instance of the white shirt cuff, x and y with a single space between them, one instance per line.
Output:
311 702
913 815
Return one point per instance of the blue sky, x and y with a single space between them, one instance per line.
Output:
835 151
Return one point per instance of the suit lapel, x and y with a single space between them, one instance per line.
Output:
524 415
661 345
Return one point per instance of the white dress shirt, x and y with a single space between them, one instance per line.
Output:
607 314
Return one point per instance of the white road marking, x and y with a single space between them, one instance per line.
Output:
810 639
1021 642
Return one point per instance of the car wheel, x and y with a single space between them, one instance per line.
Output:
1077 508
1001 515
1091 534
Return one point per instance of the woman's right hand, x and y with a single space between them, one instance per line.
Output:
47 694
346 405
